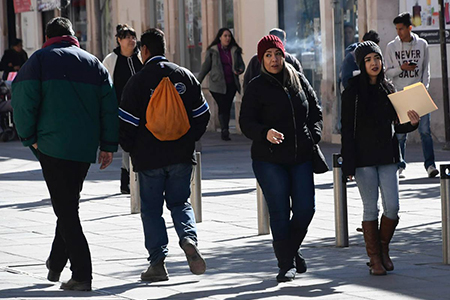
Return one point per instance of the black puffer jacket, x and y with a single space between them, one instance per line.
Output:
369 138
267 104
147 152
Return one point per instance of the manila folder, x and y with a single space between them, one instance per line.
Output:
413 97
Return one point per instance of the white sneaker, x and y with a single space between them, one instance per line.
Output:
400 173
432 171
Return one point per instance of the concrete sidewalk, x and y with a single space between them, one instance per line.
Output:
241 264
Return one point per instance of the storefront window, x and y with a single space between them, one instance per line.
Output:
77 14
227 14
301 21
156 14
350 22
193 34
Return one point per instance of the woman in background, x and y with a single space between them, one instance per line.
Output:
223 60
122 63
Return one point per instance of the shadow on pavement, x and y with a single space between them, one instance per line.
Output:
248 271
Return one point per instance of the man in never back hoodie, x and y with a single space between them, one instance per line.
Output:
407 62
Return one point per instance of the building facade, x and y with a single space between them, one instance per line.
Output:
317 33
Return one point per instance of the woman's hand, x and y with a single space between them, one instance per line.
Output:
413 117
274 136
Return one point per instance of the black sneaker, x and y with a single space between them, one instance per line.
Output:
52 275
287 274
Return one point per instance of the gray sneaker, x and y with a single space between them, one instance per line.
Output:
74 285
197 264
157 272
432 171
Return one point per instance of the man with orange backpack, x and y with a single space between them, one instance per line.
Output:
162 114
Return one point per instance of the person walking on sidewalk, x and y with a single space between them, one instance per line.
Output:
280 113
223 60
123 63
65 108
164 167
407 62
370 151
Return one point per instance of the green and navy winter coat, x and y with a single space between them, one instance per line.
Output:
64 101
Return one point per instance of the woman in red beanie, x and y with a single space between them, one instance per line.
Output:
223 60
281 114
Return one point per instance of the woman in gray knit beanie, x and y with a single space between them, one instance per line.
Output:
370 151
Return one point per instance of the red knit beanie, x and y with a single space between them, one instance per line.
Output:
267 42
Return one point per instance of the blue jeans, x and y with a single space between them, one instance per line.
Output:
281 186
427 143
384 178
170 183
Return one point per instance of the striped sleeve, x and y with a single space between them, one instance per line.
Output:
128 118
200 110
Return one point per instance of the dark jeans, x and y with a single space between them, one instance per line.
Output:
172 184
287 188
64 180
224 102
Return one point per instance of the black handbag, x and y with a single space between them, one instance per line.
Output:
318 161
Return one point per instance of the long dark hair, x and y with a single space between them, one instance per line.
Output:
382 80
219 34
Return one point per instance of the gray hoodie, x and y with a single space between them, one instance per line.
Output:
398 52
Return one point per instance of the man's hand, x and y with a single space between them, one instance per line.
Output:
408 67
105 159
34 146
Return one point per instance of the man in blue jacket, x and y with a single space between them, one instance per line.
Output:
164 167
65 108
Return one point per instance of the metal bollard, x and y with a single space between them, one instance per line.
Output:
263 212
340 202
135 196
445 204
196 188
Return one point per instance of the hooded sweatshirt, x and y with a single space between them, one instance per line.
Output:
398 52
121 68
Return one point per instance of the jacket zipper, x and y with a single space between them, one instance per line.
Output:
130 65
295 123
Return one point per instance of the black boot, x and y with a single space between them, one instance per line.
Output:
285 257
297 237
224 120
124 181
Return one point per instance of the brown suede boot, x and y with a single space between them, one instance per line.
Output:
373 248
387 228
